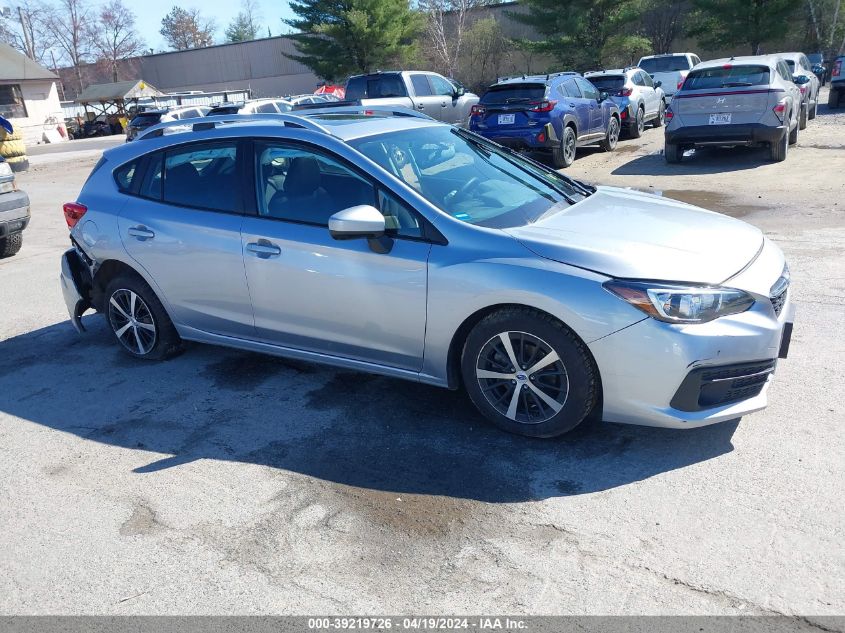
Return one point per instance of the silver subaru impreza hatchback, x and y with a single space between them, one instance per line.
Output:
387 242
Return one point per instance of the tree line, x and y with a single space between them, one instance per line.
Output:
336 38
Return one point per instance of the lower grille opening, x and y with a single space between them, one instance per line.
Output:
708 387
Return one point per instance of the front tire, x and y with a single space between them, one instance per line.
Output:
812 113
793 134
661 115
138 320
804 115
528 373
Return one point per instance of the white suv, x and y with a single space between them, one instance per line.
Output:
671 69
640 99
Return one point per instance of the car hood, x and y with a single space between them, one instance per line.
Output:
629 234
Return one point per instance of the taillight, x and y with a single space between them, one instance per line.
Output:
73 213
681 83
625 92
546 105
780 110
837 68
803 89
669 114
624 114
477 110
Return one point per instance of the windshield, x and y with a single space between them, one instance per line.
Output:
791 64
514 93
727 77
667 64
146 119
470 178
815 58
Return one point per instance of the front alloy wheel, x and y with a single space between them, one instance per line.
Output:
132 322
522 377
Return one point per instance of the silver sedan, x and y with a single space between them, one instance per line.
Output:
391 243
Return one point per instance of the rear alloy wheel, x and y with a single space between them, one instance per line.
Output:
661 115
780 149
638 126
612 136
138 321
564 155
528 373
673 153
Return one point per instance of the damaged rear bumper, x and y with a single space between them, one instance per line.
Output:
75 279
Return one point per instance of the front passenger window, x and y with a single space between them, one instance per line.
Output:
299 185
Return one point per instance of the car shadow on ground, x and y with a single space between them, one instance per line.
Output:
350 428
713 160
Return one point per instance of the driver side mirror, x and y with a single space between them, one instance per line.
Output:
800 80
459 92
603 96
362 220
658 83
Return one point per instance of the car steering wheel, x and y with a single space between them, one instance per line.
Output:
459 194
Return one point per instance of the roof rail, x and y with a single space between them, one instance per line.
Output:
362 109
205 123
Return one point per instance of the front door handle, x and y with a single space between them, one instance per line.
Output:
263 249
141 232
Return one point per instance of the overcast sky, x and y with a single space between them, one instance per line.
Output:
150 12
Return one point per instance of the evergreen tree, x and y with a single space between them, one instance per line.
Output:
337 38
730 24
576 34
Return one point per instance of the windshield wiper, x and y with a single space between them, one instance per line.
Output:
736 84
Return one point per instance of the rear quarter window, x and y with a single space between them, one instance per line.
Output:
514 93
124 176
732 77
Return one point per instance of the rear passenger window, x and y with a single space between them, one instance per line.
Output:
421 86
123 176
571 89
203 176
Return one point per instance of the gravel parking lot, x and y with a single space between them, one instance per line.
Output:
228 482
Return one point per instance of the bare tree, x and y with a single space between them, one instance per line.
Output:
114 36
186 28
446 22
486 50
25 30
69 24
826 25
662 22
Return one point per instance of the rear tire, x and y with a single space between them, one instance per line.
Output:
803 116
611 138
552 400
779 149
10 244
812 113
138 321
793 134
638 124
833 98
564 155
673 153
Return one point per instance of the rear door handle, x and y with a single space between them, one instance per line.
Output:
263 249
141 232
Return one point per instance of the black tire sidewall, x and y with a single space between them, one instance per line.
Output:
583 385
168 341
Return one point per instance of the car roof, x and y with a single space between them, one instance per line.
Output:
542 79
767 60
666 55
612 71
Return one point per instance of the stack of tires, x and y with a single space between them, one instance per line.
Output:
12 148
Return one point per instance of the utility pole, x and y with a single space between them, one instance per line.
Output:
30 52
61 86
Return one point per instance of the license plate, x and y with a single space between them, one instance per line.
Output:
720 119
507 119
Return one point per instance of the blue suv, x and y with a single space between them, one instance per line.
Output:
556 113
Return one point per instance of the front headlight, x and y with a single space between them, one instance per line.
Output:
681 304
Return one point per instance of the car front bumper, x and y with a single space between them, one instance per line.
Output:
14 212
739 134
75 280
686 376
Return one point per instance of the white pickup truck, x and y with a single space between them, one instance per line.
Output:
438 97
670 69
